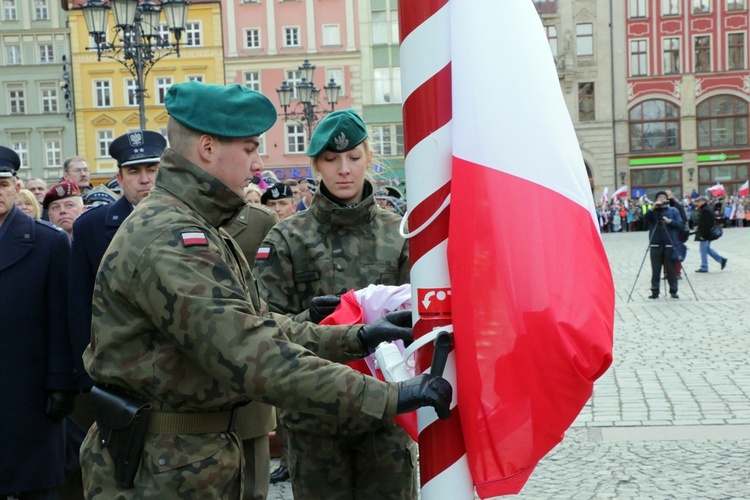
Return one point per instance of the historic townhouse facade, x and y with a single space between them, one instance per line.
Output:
683 95
36 114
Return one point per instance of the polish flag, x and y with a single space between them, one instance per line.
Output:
745 189
620 193
531 332
605 195
717 189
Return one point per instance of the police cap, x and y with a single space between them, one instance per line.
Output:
339 132
9 162
227 111
65 189
99 195
140 146
276 192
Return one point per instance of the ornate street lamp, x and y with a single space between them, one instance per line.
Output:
141 44
308 110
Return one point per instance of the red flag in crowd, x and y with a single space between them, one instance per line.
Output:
745 189
620 193
717 189
532 333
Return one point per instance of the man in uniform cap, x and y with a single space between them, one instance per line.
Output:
100 195
36 386
178 325
63 203
280 199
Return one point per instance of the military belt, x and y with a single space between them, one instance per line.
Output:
162 422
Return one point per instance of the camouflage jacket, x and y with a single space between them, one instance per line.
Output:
329 249
177 322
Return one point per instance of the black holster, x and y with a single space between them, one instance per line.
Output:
122 422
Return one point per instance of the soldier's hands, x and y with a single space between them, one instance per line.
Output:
392 326
321 307
425 390
59 404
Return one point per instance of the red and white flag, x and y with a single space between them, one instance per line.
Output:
605 195
620 193
745 189
531 332
717 189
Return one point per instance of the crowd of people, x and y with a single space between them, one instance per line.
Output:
139 355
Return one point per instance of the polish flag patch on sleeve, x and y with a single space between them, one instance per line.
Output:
193 239
263 253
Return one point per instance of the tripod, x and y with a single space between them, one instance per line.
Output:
665 261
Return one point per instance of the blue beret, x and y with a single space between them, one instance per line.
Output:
100 194
277 192
228 111
141 146
339 132
9 162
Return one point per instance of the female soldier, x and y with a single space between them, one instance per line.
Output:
343 241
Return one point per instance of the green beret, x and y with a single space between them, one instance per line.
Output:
228 111
339 131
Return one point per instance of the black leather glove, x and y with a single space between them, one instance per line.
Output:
59 404
425 390
392 326
321 307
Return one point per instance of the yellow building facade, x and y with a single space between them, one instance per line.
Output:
105 102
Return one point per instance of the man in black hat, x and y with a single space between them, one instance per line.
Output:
664 226
280 199
36 386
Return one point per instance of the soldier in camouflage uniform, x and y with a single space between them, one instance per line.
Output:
343 241
177 321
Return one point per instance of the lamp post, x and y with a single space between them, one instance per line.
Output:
309 109
622 177
137 30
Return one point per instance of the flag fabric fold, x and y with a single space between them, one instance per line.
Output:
717 189
620 193
745 189
531 333
605 195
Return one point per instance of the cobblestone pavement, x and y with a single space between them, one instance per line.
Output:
671 417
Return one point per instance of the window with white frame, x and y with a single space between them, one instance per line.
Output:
16 100
193 34
52 151
20 144
46 54
293 77
637 8
387 85
552 39
131 97
584 39
9 10
638 57
102 94
163 32
702 46
331 34
48 93
735 5
162 85
252 80
103 139
194 78
388 140
295 138
291 36
12 55
337 74
41 11
735 51
670 7
252 38
701 6
380 27
671 55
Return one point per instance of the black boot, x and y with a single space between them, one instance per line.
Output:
654 294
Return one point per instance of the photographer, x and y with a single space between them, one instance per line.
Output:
664 226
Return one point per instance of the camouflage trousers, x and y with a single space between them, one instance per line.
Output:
205 466
378 465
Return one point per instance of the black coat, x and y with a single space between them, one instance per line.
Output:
92 233
705 223
34 351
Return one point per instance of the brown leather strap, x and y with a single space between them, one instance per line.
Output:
161 422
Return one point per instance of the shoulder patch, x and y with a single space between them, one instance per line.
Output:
48 224
194 238
264 252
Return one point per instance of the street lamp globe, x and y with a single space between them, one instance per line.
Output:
175 11
124 11
332 92
150 17
96 15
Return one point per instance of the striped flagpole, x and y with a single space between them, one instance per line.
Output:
426 84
